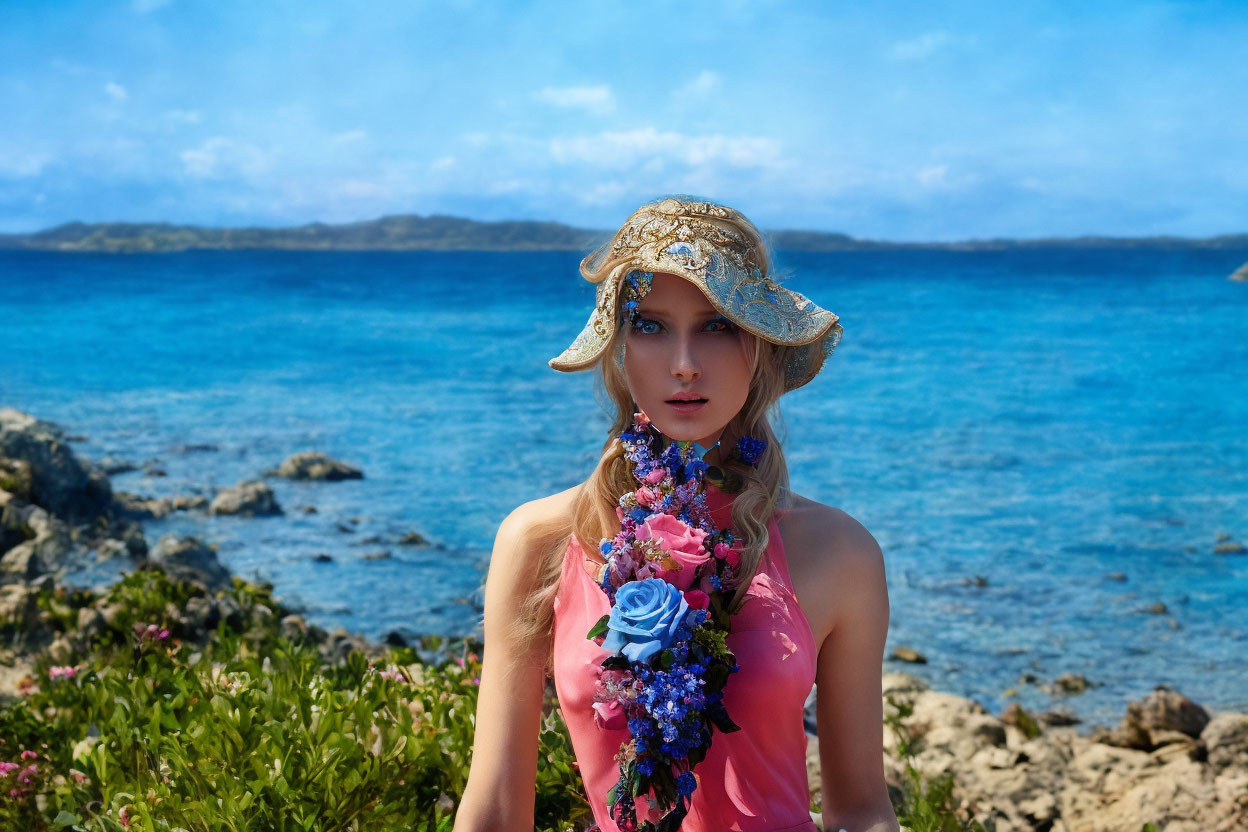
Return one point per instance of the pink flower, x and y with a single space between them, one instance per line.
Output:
656 476
647 496
681 541
28 755
610 715
697 599
124 817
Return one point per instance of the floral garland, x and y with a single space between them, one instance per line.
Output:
670 576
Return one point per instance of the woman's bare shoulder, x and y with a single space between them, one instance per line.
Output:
552 507
542 513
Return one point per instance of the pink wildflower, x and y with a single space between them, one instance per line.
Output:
29 755
656 476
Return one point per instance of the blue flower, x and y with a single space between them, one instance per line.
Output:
686 783
644 619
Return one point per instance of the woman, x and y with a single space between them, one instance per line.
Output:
682 597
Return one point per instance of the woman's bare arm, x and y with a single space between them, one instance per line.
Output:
499 796
849 706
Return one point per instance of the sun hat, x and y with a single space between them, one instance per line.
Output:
718 250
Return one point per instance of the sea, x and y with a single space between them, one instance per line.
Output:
1046 443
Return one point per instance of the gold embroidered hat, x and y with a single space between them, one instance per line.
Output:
721 252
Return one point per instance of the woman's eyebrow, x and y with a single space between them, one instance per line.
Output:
710 313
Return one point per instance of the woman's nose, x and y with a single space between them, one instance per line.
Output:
684 362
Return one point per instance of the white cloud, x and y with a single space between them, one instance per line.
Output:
362 189
705 83
923 46
17 163
933 176
597 100
653 149
442 163
116 91
221 156
184 116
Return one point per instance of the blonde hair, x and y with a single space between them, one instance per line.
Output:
593 517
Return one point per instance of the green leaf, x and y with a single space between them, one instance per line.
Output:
66 818
599 629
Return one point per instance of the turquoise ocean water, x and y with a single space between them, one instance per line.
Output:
1035 419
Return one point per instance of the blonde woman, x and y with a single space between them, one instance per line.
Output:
682 597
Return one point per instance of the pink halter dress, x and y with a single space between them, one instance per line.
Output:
752 780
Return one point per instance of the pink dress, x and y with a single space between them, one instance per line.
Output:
752 780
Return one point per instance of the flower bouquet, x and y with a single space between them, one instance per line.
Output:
670 576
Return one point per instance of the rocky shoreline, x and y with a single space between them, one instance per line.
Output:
1169 762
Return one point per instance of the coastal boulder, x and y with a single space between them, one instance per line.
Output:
312 465
1241 273
47 545
251 498
190 559
64 485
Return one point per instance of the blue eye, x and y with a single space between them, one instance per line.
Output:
641 322
729 326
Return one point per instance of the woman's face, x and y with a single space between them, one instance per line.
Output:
679 345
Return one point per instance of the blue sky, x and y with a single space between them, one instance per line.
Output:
901 121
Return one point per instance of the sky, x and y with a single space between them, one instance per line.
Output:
894 121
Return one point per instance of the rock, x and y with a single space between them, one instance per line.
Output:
91 623
315 466
1226 741
152 469
1116 576
344 528
1018 717
187 503
294 628
908 654
382 555
371 540
1168 710
190 448
395 639
250 498
191 560
19 608
1241 273
201 616
1156 609
49 546
413 539
322 557
1232 547
1071 683
112 466
61 483
1059 718
309 510
142 508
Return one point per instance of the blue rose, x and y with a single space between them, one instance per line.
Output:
645 618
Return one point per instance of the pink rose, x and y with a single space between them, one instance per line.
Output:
681 541
697 599
656 476
647 496
610 716
733 557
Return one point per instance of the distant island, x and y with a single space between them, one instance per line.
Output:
412 232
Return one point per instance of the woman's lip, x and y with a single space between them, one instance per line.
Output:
686 407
